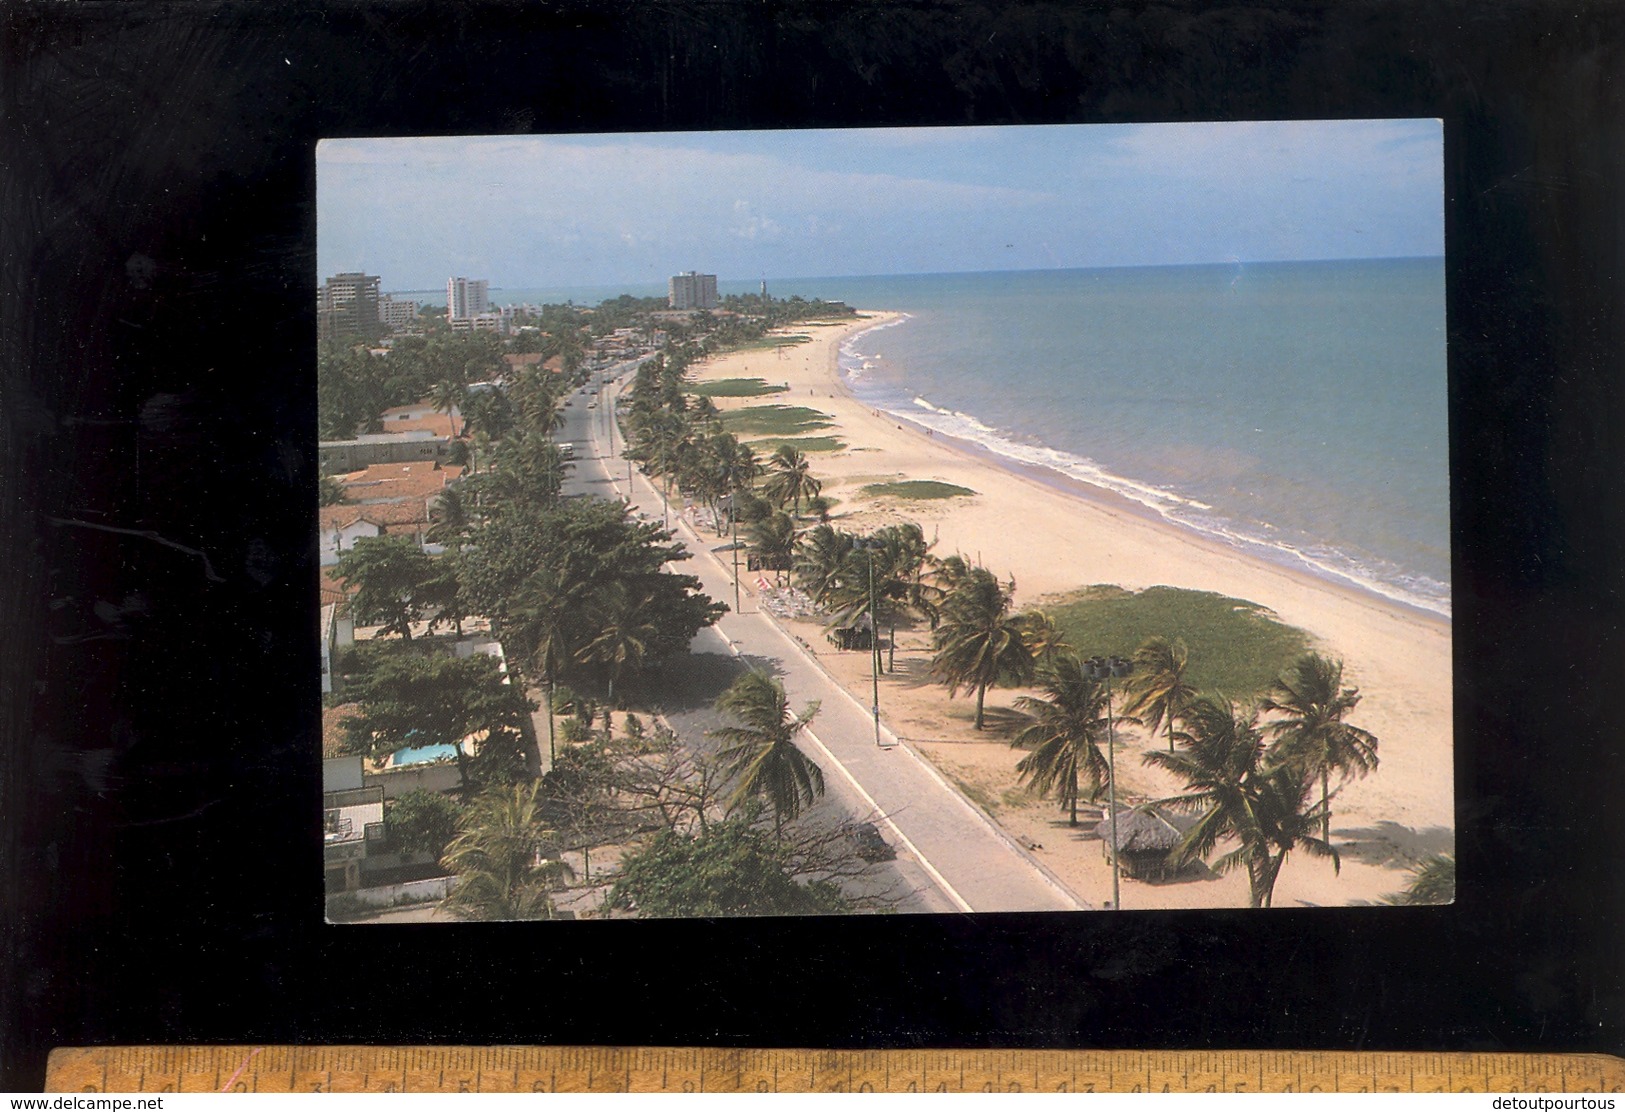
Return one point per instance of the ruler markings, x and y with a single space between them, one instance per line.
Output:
506 1068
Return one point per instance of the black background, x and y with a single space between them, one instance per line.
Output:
162 882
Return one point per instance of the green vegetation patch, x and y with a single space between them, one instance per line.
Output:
734 388
799 443
917 489
1236 647
775 420
768 343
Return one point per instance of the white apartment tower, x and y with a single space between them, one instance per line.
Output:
467 297
692 291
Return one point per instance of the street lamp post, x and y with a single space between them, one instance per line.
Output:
1106 669
733 518
869 546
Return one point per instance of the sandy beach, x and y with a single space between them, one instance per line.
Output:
1056 535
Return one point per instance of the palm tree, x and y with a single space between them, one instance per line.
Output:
542 625
1433 881
1313 734
449 520
1289 821
978 643
1044 638
501 874
624 634
761 753
1067 729
907 556
949 572
1241 793
774 542
790 478
1224 752
448 394
820 555
1158 691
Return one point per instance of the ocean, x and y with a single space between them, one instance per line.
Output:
1297 411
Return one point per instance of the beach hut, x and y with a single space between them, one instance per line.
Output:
1143 840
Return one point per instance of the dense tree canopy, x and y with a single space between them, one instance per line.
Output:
422 822
393 580
411 699
731 869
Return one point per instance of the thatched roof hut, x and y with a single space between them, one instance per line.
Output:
1144 838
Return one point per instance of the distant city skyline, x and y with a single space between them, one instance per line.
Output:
571 211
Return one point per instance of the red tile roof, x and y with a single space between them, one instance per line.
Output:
438 423
332 588
397 481
383 513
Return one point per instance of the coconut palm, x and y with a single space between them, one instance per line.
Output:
1433 881
447 395
624 634
1064 737
760 753
790 479
1310 693
497 856
1289 821
978 642
949 572
908 556
773 541
543 625
1241 793
1044 638
820 555
449 520
1158 691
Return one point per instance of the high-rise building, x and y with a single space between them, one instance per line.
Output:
692 291
467 297
347 308
396 315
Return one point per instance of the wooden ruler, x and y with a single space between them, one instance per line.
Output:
579 1069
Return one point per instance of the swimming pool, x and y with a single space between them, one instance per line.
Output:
423 755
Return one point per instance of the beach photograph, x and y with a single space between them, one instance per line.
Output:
884 521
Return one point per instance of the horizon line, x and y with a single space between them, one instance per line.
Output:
950 273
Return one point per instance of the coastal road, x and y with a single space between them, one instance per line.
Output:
970 862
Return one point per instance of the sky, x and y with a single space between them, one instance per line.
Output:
552 211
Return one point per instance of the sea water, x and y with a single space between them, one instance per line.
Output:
1294 410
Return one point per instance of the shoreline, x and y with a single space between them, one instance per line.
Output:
1056 534
1111 502
1285 560
1114 504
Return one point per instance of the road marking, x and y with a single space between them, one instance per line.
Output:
925 862
976 814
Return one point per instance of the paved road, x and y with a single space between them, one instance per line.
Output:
972 865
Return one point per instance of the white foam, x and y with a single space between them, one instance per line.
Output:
1391 583
1192 513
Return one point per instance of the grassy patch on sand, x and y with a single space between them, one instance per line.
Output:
734 388
917 489
768 343
977 794
799 443
775 420
1236 647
